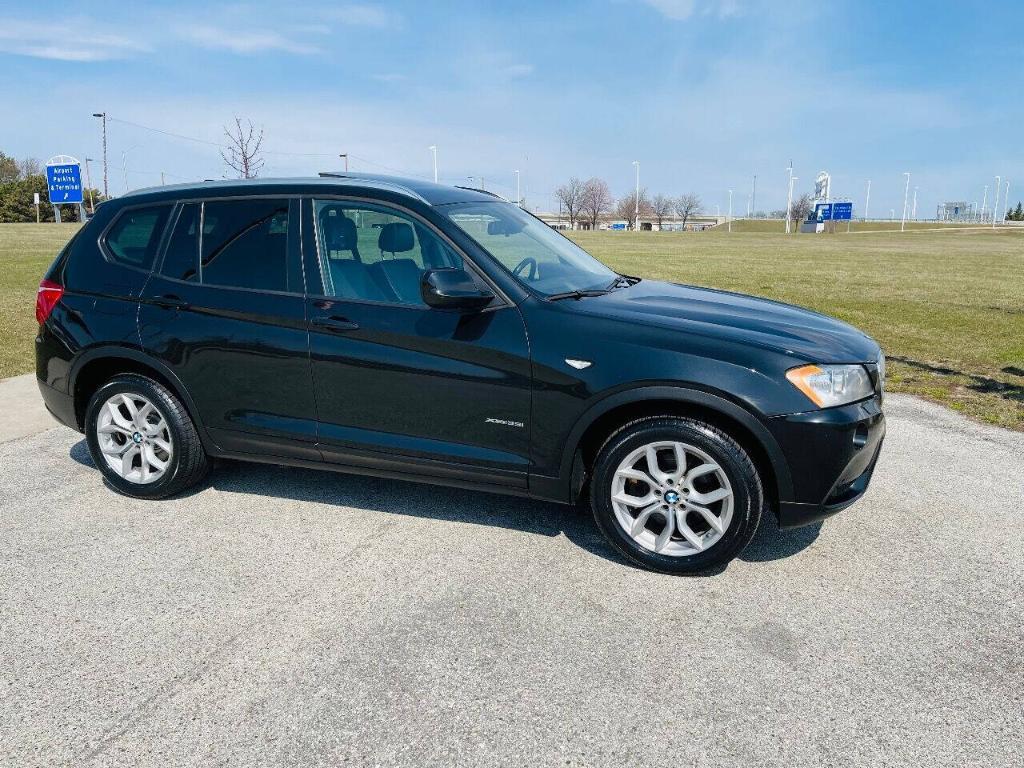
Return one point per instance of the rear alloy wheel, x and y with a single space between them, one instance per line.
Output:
142 439
134 438
675 494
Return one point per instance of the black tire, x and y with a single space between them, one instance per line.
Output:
748 494
188 463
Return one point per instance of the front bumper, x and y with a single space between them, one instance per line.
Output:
831 455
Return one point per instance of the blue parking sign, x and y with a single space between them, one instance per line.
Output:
842 211
65 183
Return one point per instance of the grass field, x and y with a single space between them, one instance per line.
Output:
948 306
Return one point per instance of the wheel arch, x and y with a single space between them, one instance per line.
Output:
100 364
610 413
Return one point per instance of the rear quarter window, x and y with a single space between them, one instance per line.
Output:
132 240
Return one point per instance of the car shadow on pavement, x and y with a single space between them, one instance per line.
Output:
450 505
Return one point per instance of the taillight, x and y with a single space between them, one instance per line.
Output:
47 298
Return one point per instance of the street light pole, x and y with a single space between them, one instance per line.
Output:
789 200
519 197
344 156
636 197
433 151
728 218
995 203
906 195
753 198
88 183
984 205
124 165
867 200
1006 201
913 212
103 117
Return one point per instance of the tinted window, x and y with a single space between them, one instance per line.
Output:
374 253
245 244
135 235
181 261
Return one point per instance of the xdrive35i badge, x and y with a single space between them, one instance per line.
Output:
504 422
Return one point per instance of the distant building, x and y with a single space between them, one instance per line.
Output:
958 210
694 223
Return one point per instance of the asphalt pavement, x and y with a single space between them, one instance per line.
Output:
284 617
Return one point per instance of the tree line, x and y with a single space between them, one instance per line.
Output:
19 181
588 202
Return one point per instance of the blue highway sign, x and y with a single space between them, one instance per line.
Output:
65 183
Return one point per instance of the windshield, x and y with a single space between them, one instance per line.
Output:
535 254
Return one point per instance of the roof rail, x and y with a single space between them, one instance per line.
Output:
388 182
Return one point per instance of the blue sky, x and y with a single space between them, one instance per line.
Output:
704 93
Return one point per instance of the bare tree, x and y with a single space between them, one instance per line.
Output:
8 169
242 154
687 206
597 201
661 207
801 209
626 208
571 196
30 166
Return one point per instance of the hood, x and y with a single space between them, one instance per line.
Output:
739 318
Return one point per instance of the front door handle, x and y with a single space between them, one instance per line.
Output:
171 301
337 324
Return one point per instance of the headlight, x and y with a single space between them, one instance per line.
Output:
830 385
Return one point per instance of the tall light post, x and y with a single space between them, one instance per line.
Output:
636 197
984 205
995 203
867 200
433 152
519 197
789 199
103 118
88 184
728 218
344 156
913 212
753 197
1006 201
124 165
906 196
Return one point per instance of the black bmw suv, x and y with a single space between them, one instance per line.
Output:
414 331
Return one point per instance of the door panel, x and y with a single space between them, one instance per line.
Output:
400 385
243 354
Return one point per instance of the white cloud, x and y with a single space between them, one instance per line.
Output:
245 41
518 70
80 41
365 15
680 10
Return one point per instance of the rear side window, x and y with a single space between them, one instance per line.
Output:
244 244
135 235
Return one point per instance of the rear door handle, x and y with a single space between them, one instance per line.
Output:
337 324
171 302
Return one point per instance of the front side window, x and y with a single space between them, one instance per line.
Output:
535 254
244 244
374 253
135 235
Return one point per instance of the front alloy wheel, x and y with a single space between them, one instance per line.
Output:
675 494
672 498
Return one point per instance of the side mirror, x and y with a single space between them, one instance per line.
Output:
453 289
